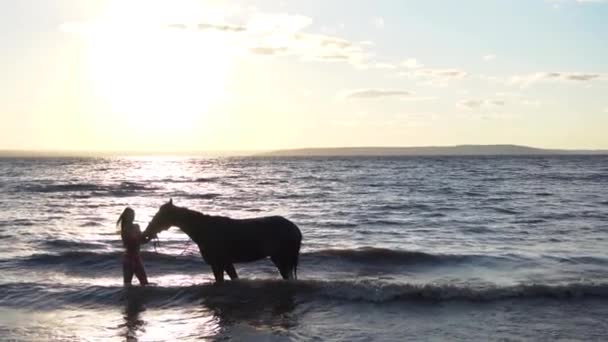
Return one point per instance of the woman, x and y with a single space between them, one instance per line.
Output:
131 234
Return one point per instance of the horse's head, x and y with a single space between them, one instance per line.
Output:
162 220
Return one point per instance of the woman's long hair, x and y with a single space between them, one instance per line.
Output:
125 220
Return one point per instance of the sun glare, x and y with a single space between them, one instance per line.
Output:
153 76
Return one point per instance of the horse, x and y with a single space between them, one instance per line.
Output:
224 241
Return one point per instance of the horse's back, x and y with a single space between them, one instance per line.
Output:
268 225
255 238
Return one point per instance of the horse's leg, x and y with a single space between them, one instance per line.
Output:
283 266
218 272
229 268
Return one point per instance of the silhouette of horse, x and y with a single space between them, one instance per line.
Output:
224 241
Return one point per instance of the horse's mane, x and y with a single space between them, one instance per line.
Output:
194 214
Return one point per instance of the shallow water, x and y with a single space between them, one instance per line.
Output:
460 248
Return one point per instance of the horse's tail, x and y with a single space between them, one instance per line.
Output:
297 256
295 265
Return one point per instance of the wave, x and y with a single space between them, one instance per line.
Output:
394 206
70 244
40 295
503 210
374 291
88 259
94 259
187 195
529 221
195 180
91 224
592 177
18 222
373 255
337 224
97 189
91 261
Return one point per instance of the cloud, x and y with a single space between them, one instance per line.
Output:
267 51
262 34
434 77
434 73
443 73
476 104
581 77
328 41
529 79
489 57
384 66
420 98
284 23
373 94
378 22
531 103
470 104
411 63
496 102
209 26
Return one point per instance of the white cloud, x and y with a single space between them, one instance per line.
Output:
531 103
265 34
489 57
371 93
529 79
470 104
507 94
411 63
384 66
442 73
420 98
283 23
475 104
435 77
378 22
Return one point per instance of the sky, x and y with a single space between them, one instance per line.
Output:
199 75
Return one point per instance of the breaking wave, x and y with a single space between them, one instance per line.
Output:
40 295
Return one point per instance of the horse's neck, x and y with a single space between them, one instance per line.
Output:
190 222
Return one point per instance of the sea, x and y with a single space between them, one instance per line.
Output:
454 248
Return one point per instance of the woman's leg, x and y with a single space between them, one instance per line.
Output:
140 272
127 272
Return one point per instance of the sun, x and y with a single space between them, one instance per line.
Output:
152 69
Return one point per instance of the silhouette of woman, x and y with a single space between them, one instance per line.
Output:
131 234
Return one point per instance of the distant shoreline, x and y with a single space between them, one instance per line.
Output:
458 150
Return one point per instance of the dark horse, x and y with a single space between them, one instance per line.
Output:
224 241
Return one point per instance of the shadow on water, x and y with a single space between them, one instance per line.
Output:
210 311
131 314
265 305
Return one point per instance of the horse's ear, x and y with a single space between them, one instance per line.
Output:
171 201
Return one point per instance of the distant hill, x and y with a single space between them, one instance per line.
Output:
460 150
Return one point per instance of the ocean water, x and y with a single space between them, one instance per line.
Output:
417 248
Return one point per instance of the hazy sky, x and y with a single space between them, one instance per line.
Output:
207 75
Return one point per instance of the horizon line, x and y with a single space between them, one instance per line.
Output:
238 152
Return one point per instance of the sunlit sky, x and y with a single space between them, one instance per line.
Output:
258 75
